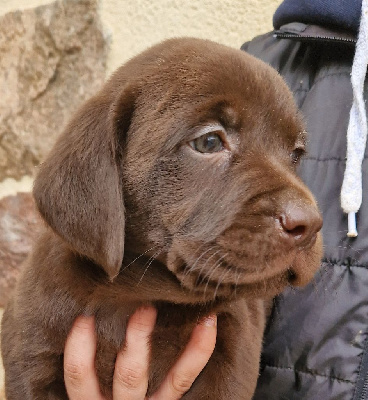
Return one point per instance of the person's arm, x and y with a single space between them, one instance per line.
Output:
131 368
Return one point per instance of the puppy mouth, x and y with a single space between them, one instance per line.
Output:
217 277
214 269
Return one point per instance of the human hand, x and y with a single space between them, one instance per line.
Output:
131 368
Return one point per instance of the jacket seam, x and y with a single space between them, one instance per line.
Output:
336 263
363 366
310 373
325 159
328 75
321 78
301 90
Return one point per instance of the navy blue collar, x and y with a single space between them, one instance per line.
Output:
340 14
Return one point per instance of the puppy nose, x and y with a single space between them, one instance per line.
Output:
300 224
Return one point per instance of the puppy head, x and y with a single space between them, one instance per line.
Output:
201 141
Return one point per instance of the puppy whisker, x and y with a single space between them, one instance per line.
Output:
192 268
204 265
237 282
138 257
216 266
149 263
143 254
213 269
222 278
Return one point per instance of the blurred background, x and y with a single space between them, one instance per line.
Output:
54 55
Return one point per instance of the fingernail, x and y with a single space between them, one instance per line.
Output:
211 320
144 310
144 314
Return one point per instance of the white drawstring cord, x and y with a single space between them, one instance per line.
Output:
351 191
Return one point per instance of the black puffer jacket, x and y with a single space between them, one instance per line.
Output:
316 345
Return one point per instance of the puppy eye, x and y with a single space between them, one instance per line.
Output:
297 154
209 143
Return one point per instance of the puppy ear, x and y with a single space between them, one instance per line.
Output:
78 190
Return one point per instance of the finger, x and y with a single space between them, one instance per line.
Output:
79 361
191 362
131 368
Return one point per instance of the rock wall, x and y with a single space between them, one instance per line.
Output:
52 58
19 227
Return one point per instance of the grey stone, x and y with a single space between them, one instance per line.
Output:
20 224
52 58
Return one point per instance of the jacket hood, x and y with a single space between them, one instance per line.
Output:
344 15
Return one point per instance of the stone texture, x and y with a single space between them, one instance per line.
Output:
19 226
2 389
51 59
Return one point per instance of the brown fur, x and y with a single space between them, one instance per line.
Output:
134 216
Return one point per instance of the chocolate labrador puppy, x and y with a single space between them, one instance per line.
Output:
174 186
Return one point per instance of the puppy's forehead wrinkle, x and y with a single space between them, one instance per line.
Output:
223 108
205 128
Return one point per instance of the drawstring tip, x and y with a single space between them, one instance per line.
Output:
352 230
